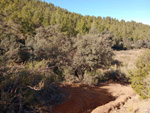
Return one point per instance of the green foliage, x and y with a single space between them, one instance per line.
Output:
140 81
95 77
93 51
32 14
102 75
27 92
8 41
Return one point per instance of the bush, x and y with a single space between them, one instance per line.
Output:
94 77
127 43
139 44
93 51
27 92
8 41
140 77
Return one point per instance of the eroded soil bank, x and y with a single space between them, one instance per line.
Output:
85 99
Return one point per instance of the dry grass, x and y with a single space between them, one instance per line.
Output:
127 59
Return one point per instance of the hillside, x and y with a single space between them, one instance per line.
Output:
26 16
34 13
47 53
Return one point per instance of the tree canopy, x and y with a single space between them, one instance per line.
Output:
34 13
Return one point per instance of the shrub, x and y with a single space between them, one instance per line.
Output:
94 77
8 41
93 51
139 44
27 92
140 77
49 44
127 43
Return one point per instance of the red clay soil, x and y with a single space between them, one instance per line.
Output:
82 98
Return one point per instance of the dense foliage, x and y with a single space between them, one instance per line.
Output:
140 77
45 58
24 91
34 13
30 63
93 51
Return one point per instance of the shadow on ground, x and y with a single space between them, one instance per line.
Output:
82 98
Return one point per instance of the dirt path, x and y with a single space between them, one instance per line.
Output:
84 99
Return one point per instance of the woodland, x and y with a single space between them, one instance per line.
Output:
42 46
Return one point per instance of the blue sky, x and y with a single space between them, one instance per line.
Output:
137 10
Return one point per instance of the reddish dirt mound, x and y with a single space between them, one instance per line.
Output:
84 99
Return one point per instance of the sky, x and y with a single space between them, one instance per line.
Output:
137 10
